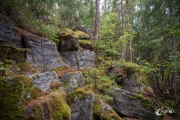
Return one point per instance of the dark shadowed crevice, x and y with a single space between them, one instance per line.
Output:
46 112
24 43
96 117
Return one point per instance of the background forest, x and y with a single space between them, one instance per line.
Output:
148 29
143 32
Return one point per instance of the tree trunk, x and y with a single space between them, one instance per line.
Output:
96 25
70 21
123 54
173 73
105 6
130 50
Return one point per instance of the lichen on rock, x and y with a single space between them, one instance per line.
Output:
44 80
72 81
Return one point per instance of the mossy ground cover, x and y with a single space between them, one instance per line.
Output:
63 70
101 84
13 61
16 92
11 52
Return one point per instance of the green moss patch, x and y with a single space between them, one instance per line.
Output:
78 93
99 59
81 34
105 114
56 107
86 44
15 93
147 102
67 33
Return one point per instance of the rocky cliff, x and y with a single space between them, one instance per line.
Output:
41 80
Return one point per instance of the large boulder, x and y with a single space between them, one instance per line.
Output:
72 81
79 59
44 80
8 33
128 81
52 106
68 40
81 102
130 105
43 52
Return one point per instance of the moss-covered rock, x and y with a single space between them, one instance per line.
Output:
72 81
142 108
15 93
86 44
68 40
81 102
44 80
147 103
51 106
67 33
81 92
84 29
102 111
82 35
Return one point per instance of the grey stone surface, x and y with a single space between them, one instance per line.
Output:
8 33
82 109
44 80
128 81
126 103
79 59
131 84
43 53
72 81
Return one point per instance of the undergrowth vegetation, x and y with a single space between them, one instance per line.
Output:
101 84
